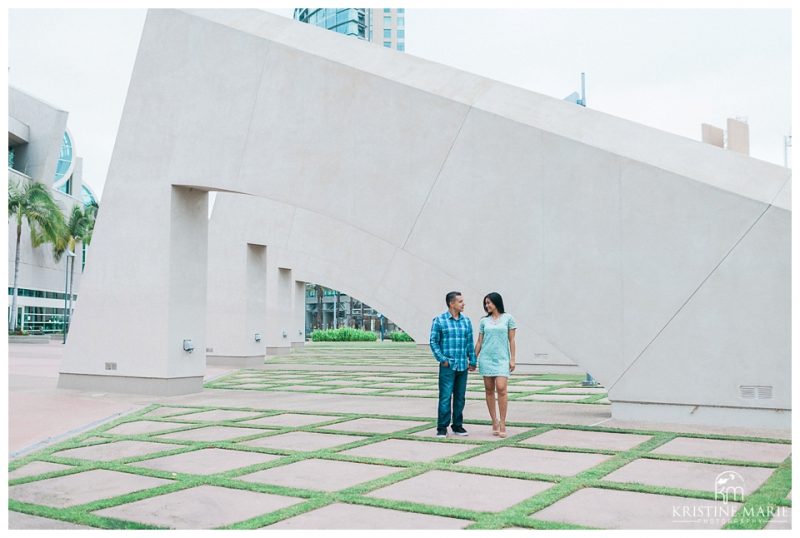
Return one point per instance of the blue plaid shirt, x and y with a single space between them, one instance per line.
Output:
451 340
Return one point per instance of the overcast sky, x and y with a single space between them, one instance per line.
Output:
669 69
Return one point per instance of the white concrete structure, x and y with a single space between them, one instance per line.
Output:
40 149
657 263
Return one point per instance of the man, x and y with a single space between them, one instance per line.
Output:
453 347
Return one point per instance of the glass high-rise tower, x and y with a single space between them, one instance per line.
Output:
384 26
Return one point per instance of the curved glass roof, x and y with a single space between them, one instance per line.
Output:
64 158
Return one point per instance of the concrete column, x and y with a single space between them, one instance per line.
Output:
140 309
738 136
279 309
298 335
713 135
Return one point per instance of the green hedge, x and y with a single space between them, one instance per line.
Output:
343 334
400 336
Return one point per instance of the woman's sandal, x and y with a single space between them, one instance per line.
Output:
502 433
495 428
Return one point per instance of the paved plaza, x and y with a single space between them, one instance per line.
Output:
342 435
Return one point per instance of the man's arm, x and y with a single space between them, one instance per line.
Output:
473 359
436 341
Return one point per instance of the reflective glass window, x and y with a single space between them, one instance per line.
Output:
387 21
401 47
387 32
401 21
387 44
401 34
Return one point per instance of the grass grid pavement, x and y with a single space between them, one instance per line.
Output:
522 513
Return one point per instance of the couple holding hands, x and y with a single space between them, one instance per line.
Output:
493 356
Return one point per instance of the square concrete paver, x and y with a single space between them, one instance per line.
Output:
353 390
202 507
782 520
688 475
213 433
609 509
304 441
462 490
477 432
416 392
206 461
19 521
145 426
399 449
37 467
588 439
550 397
532 460
220 414
580 390
116 450
167 411
341 516
340 382
81 488
729 450
375 425
321 475
540 382
291 420
299 388
251 386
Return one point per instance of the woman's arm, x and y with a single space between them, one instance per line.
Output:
513 344
478 345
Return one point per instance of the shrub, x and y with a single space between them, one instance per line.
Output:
343 334
400 336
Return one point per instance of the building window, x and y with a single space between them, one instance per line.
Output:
401 34
401 47
401 21
401 10
387 10
387 44
387 33
387 22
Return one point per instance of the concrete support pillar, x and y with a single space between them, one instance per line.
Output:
279 309
299 315
738 136
140 309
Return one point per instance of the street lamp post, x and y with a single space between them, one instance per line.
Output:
65 317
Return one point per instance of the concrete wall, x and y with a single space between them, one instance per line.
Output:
657 263
46 125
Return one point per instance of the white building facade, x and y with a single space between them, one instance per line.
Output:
41 148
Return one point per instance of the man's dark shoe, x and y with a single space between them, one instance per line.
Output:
441 432
459 430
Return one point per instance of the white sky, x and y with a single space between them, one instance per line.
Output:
669 69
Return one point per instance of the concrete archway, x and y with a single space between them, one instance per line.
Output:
630 251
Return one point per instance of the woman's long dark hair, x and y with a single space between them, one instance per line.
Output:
497 301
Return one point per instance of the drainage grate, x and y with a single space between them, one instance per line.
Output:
755 392
111 366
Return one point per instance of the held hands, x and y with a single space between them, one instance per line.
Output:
472 367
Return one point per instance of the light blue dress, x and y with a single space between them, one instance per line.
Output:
495 349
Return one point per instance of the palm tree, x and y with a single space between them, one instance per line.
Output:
78 230
33 203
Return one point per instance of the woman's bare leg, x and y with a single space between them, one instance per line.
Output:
502 401
489 388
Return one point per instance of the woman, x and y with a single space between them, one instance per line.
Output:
496 352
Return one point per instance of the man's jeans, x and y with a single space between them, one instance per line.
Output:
452 386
